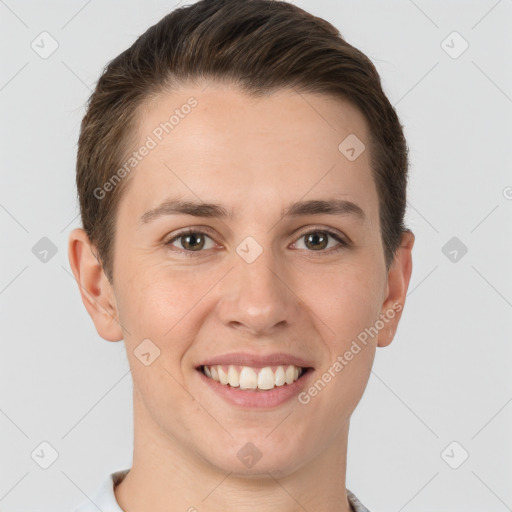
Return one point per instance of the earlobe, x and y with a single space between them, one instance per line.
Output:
399 275
96 291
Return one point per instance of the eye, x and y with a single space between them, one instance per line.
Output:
191 241
318 240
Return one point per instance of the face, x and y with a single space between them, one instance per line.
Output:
273 282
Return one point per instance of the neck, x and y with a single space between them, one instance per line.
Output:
165 472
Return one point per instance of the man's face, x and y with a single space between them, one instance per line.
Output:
258 283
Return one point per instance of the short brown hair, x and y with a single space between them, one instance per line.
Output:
258 45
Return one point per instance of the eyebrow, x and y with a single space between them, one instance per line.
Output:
340 207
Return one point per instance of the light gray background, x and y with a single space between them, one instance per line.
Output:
446 377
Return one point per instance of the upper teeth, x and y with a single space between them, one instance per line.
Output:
246 377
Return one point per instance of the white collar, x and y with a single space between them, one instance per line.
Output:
104 499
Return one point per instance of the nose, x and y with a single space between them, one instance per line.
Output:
257 298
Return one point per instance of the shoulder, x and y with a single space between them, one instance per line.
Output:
356 505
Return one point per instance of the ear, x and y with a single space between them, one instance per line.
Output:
96 291
399 275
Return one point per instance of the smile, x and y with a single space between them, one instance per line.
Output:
258 387
250 378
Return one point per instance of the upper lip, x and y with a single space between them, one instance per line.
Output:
256 360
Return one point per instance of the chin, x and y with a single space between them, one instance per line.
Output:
258 458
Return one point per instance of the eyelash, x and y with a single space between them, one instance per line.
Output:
190 231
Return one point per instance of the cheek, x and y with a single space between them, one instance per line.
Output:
150 304
154 311
166 305
350 299
348 304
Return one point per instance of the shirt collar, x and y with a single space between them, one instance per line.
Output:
104 499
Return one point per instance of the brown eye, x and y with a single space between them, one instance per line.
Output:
191 241
318 241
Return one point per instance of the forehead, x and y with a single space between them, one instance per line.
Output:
215 142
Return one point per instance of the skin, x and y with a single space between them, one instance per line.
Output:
256 156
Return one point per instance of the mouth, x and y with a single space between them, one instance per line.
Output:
255 381
251 378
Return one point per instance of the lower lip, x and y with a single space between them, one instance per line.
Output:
257 398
